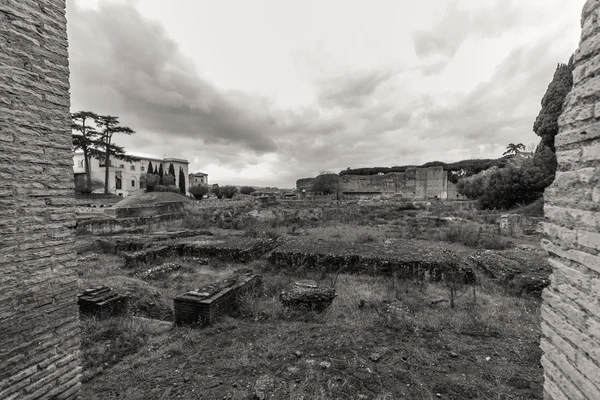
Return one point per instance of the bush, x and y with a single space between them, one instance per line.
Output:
169 180
170 188
326 184
521 182
216 190
229 191
152 181
198 191
81 186
247 190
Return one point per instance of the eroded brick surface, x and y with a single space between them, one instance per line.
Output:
39 327
571 310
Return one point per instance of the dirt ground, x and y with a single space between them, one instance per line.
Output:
381 338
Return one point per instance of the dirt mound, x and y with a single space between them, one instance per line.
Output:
151 198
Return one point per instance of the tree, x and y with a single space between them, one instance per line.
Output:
182 186
198 191
514 149
85 139
110 126
150 169
229 191
152 182
161 174
216 190
247 190
168 180
326 184
546 123
171 169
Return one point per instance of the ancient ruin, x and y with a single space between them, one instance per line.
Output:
414 183
39 324
571 309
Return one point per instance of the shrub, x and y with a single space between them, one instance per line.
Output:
81 186
326 184
173 189
198 191
247 190
217 191
229 191
152 181
169 180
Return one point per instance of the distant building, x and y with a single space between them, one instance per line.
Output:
414 183
125 178
199 178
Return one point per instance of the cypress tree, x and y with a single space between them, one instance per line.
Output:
546 123
161 173
172 170
182 181
150 169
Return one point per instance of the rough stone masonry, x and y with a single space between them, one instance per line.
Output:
39 327
571 307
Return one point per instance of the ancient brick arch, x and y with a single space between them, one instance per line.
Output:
571 309
39 324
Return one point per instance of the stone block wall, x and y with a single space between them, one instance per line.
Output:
39 325
571 309
395 182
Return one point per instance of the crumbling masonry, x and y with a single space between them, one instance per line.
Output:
39 326
571 308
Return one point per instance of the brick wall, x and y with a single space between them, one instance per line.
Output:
571 308
39 328
395 182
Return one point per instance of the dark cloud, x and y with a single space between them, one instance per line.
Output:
502 109
352 89
124 64
446 37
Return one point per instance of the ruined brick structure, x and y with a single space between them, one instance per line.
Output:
414 183
571 308
39 326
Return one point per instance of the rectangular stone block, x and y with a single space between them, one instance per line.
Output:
206 305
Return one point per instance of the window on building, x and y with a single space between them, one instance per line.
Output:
142 168
80 163
118 182
133 183
133 167
121 165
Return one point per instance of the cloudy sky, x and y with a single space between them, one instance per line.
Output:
264 92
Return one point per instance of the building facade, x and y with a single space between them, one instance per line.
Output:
125 178
199 178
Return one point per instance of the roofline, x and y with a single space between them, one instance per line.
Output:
171 159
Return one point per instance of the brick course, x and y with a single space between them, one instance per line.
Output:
39 325
571 309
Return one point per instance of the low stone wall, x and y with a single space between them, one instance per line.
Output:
401 258
518 225
239 249
146 210
222 203
106 226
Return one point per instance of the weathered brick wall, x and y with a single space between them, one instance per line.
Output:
571 308
395 182
39 328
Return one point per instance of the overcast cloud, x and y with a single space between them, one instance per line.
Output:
269 92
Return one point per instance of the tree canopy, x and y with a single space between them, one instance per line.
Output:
546 123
